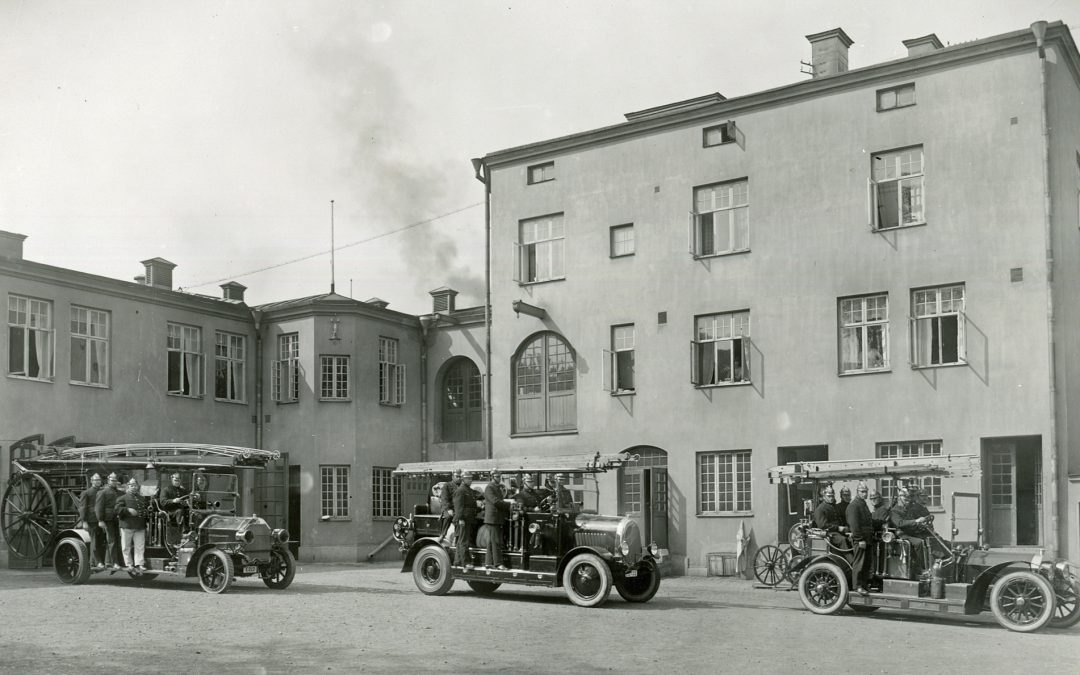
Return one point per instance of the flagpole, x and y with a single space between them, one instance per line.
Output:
331 245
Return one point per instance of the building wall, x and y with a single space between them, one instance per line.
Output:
807 163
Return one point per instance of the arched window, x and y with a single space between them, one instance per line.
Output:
545 385
462 402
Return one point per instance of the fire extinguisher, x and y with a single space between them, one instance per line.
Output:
937 582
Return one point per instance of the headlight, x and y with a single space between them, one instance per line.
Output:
888 537
280 535
246 536
625 548
534 528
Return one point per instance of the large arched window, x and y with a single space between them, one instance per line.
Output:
462 402
544 385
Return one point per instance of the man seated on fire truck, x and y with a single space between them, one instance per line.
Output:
826 517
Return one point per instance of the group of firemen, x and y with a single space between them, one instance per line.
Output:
851 525
461 506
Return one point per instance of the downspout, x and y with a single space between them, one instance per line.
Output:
484 177
423 395
256 318
1050 493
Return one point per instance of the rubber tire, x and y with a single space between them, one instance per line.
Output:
277 557
222 563
484 587
643 587
71 561
835 591
578 570
431 571
1060 618
1004 583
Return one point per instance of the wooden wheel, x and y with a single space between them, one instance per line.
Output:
28 516
769 565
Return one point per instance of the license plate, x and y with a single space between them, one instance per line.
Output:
631 574
251 569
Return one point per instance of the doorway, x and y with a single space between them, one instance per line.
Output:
643 493
1012 485
790 498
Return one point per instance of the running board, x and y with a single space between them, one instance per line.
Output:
907 602
507 576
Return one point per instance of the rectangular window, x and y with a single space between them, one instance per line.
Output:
622 240
937 327
721 352
720 222
896 97
285 385
391 373
539 252
896 189
864 334
334 491
619 361
724 485
184 344
334 378
718 135
385 493
89 346
541 173
930 485
229 354
30 338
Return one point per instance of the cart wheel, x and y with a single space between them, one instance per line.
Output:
769 565
28 516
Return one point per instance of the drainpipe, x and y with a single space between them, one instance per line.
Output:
484 177
1050 493
256 318
427 322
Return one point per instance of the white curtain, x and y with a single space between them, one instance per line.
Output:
43 345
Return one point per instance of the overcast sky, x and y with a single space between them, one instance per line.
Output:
215 134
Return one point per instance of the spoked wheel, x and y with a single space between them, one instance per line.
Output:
28 516
71 561
215 571
823 588
587 580
1066 603
769 565
281 570
1022 601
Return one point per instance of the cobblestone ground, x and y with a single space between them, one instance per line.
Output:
371 618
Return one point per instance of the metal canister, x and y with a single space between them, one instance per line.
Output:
937 582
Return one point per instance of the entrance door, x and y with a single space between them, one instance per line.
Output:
643 494
1012 481
1002 521
790 498
272 494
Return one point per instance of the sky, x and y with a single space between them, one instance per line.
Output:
216 134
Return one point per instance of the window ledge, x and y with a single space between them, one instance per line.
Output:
334 519
722 385
939 365
897 107
724 254
856 373
391 405
621 255
292 402
230 400
31 379
540 182
907 226
529 434
187 396
89 385
727 514
334 400
541 281
624 392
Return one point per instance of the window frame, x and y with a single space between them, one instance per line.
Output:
391 373
89 340
929 485
285 375
617 356
741 483
863 327
235 366
873 185
339 497
543 169
526 254
28 326
696 237
612 243
727 134
385 493
895 90
698 351
185 330
339 384
936 320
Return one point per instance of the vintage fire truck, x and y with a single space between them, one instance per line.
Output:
586 554
203 536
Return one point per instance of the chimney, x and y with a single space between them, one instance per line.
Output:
829 52
233 291
11 245
159 272
377 302
923 45
443 300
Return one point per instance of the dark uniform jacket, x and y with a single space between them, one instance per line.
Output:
446 496
493 504
131 501
87 505
105 503
841 510
903 518
827 517
564 501
881 515
464 503
860 520
170 492
529 498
